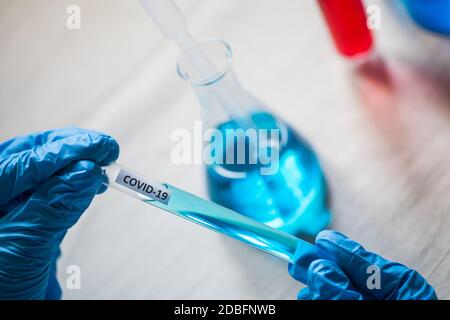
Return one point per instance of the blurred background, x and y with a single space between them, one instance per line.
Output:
382 134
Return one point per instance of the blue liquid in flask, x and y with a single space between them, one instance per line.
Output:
293 199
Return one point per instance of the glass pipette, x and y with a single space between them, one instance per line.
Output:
171 22
215 217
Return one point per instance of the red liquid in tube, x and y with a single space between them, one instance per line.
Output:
347 22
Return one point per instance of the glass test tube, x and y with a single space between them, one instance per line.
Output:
214 217
347 23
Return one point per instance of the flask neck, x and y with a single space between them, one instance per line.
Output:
221 96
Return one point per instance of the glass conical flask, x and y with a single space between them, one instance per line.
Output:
290 194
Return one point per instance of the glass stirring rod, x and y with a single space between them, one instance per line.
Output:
215 217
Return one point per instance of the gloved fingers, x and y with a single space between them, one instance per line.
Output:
304 294
27 169
54 291
23 197
370 272
60 201
305 254
32 233
412 286
15 202
26 142
327 281
54 207
102 189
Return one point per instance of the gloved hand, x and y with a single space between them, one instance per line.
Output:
347 278
47 180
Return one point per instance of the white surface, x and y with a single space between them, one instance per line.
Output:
386 151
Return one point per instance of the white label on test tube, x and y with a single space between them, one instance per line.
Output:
145 187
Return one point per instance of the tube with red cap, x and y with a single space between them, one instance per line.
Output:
347 22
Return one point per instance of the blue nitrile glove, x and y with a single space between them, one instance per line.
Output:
347 277
47 180
430 14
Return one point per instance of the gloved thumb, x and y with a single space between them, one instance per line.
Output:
326 281
34 230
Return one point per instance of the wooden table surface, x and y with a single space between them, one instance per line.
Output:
383 139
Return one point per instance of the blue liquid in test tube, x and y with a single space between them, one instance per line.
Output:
213 216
